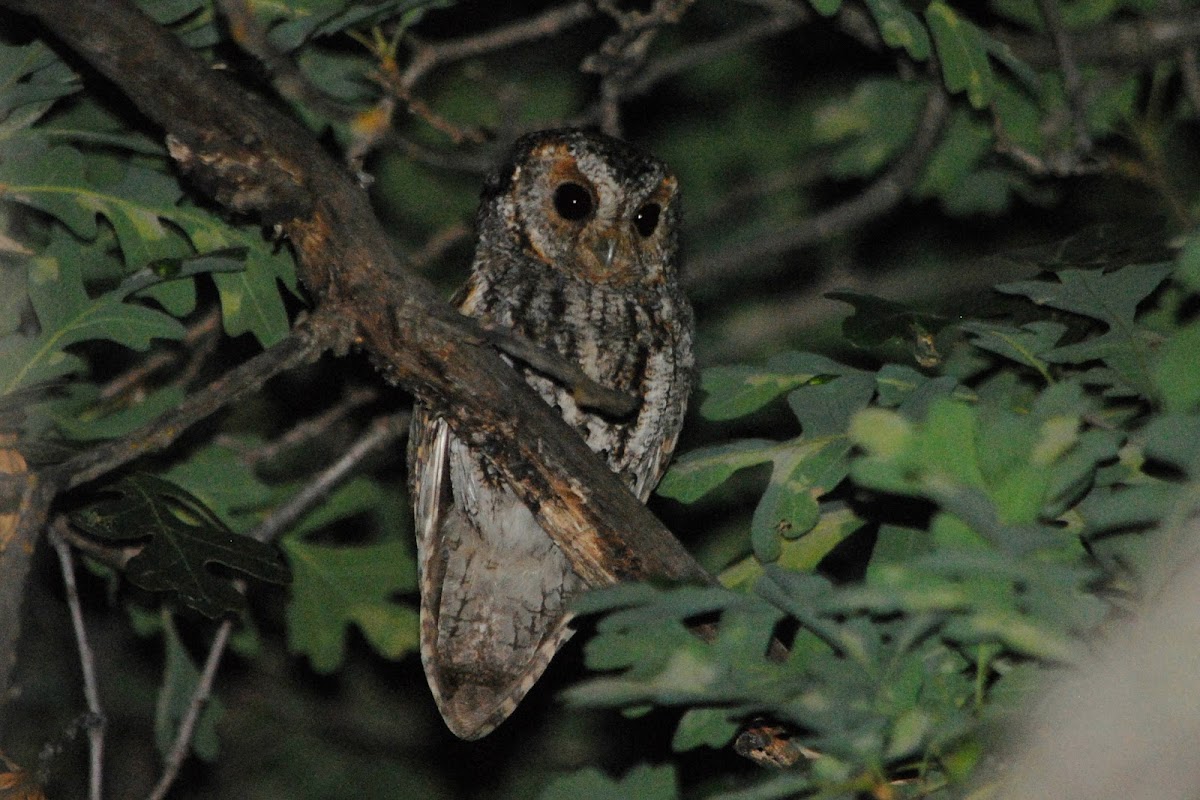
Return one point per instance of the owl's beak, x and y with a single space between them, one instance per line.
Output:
613 251
609 252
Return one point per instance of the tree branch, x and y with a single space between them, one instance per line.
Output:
87 661
428 56
187 725
383 432
301 347
1072 80
254 160
1116 44
748 260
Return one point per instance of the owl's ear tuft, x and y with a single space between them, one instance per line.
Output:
498 182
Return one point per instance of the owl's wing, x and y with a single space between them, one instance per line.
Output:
494 586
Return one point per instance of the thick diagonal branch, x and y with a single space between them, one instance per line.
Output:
250 158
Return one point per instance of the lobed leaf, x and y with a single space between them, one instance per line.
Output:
335 587
183 539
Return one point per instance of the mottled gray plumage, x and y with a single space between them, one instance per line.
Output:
593 275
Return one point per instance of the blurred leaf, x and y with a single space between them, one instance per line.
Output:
696 473
737 391
876 320
956 159
1188 269
699 727
826 8
962 50
899 27
643 781
872 127
1174 373
183 539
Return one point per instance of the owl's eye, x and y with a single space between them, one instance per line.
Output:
646 219
572 201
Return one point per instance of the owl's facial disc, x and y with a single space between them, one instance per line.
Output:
590 221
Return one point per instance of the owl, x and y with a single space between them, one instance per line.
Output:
578 253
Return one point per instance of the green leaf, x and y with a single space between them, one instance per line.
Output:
1187 270
962 50
1111 298
826 8
138 205
1025 344
899 27
825 408
708 727
803 471
737 391
802 554
698 472
182 539
66 315
82 416
872 127
964 145
180 678
335 587
1175 372
876 321
32 78
643 782
220 477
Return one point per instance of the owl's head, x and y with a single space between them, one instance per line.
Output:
588 204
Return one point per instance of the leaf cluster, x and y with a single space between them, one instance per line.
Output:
1002 504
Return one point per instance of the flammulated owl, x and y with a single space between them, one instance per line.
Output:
577 252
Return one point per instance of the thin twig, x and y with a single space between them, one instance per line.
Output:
302 346
87 660
786 17
438 244
879 198
311 430
187 725
201 329
382 432
1136 42
1072 79
622 54
428 56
